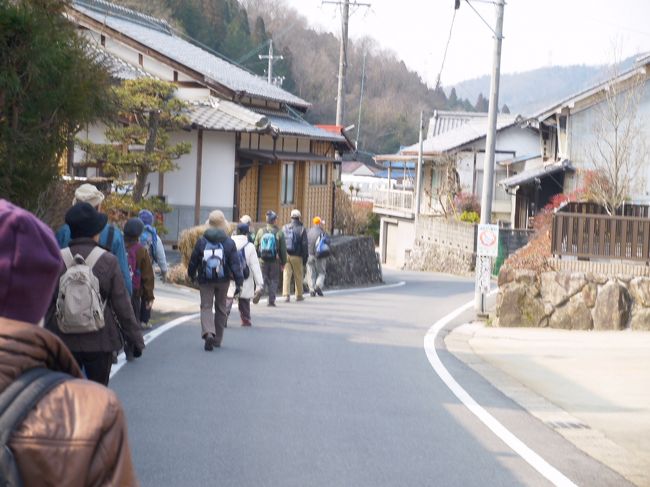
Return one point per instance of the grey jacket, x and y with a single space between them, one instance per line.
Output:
312 236
118 305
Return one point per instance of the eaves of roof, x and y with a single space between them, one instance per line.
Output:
225 116
640 67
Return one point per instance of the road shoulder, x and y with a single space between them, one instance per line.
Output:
578 431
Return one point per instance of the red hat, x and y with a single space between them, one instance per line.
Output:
30 264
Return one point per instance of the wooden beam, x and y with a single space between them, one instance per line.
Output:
199 170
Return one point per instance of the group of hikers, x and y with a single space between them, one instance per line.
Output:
242 266
69 302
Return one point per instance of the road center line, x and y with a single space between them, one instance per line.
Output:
519 447
152 335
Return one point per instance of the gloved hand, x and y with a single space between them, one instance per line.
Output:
137 352
237 291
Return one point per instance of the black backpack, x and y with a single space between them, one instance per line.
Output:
16 401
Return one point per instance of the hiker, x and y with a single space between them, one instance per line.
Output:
319 250
214 260
151 241
86 323
111 237
295 237
247 220
253 281
141 271
272 250
76 435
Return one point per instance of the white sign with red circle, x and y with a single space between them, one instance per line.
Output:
487 242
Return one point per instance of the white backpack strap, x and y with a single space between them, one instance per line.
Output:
68 258
94 256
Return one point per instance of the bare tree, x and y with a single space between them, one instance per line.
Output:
618 151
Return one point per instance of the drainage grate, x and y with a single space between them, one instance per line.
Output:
567 425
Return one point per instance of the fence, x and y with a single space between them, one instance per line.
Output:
601 236
396 200
629 209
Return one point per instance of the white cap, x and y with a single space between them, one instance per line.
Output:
87 193
246 219
295 213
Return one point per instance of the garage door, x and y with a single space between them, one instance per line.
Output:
392 241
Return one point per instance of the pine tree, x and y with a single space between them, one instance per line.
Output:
453 99
481 104
505 109
151 112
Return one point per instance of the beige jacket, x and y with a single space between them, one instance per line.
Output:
76 436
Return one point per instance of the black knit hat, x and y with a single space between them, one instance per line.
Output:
85 221
133 228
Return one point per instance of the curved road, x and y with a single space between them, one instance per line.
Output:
334 391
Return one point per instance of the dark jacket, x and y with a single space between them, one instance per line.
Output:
312 236
282 244
143 264
118 304
299 230
232 268
76 436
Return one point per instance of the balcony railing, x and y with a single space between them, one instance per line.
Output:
394 200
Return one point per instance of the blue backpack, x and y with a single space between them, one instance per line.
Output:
149 240
323 246
213 261
268 246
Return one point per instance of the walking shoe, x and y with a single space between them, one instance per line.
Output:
246 323
114 356
257 296
319 291
272 305
128 352
300 298
287 299
209 343
312 293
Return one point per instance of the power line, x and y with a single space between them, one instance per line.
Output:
444 57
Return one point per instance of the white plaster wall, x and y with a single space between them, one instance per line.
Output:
218 175
582 140
180 184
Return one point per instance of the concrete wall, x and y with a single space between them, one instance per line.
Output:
396 237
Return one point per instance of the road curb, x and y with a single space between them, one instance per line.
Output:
575 430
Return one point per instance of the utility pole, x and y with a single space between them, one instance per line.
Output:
271 59
418 175
482 262
343 54
363 79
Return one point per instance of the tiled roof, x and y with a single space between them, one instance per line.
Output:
444 121
530 175
118 68
226 116
465 134
158 36
293 125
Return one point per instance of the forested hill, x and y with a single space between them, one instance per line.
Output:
393 95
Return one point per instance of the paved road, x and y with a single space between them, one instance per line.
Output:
334 391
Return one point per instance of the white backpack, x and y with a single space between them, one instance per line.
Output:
79 305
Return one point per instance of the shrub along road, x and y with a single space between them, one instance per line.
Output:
331 391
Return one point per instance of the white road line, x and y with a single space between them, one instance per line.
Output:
520 448
152 335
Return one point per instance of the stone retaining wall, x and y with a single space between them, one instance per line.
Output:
573 300
353 262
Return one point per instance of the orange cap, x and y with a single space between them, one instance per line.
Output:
316 220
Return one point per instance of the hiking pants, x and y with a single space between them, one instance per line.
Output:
271 275
244 306
96 365
292 268
316 269
214 294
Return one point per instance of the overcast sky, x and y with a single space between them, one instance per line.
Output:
537 32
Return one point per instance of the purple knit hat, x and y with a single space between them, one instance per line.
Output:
30 264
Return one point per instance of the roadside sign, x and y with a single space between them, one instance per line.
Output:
487 241
483 273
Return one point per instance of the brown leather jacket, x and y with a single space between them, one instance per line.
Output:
76 436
